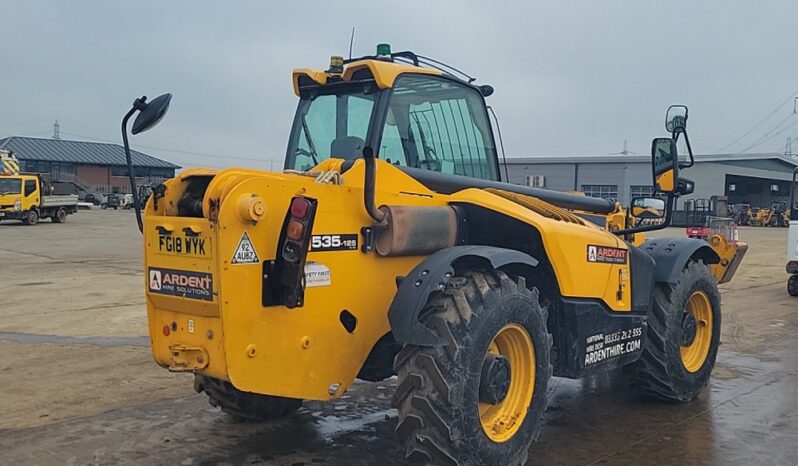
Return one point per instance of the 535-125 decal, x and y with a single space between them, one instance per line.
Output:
342 242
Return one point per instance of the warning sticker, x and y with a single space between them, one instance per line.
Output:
245 252
194 285
317 275
606 254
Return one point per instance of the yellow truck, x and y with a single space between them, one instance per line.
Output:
26 196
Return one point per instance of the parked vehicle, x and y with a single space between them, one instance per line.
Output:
112 201
93 197
24 197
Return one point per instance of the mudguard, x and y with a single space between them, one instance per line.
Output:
432 275
672 254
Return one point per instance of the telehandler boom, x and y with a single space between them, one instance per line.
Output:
390 245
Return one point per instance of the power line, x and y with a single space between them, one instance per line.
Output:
770 131
770 137
762 121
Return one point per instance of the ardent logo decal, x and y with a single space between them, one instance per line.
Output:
606 254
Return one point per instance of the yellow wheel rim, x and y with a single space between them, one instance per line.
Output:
695 354
501 421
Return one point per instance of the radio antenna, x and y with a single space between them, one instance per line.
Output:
351 42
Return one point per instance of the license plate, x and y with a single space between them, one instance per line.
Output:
184 246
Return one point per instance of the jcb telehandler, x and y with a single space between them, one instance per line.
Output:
391 246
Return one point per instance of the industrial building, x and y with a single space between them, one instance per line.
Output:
89 166
756 179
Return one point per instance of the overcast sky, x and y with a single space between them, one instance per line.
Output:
571 78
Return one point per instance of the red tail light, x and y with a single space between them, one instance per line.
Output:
299 207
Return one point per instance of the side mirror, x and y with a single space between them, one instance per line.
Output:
676 119
150 113
665 162
648 207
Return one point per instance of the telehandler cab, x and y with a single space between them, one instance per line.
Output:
390 245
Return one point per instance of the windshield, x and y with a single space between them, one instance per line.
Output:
330 125
440 125
10 186
430 123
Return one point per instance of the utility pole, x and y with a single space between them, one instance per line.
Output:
56 130
788 147
625 150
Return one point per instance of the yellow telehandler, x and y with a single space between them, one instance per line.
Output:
391 245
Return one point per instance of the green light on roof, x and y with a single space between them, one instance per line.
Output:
383 49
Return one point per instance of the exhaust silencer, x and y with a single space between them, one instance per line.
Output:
415 231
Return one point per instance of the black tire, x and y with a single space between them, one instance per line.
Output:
660 372
792 285
438 387
59 217
32 218
244 406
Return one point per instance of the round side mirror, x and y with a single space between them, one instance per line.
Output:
676 118
151 113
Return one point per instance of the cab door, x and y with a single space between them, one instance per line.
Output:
31 196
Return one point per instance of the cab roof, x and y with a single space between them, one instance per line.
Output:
383 71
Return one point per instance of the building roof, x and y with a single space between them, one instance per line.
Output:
94 153
617 158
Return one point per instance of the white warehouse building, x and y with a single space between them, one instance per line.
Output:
756 179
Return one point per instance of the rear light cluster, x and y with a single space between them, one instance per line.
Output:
283 282
295 229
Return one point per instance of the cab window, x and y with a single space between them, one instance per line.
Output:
329 125
30 187
438 124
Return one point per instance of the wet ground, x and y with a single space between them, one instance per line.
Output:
79 385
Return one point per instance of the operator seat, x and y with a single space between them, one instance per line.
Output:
347 147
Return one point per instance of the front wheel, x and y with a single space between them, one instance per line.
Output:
32 218
682 337
479 398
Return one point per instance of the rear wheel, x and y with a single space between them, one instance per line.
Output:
792 285
32 218
479 398
682 337
244 406
60 216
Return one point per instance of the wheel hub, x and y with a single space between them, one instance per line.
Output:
494 382
689 329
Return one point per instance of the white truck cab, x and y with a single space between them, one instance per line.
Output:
792 242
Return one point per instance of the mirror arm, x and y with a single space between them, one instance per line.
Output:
629 231
130 173
675 137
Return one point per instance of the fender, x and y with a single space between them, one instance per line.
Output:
432 275
672 254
